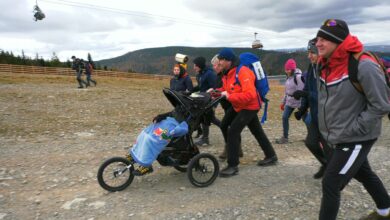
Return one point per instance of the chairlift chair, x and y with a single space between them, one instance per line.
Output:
38 14
256 44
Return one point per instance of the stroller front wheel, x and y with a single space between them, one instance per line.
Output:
115 174
202 170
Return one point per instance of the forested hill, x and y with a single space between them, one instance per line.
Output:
161 60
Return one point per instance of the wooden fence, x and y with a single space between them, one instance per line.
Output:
22 69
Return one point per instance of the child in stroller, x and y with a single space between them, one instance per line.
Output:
165 127
154 138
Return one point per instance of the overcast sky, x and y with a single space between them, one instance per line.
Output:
112 28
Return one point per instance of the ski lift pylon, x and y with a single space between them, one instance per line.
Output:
256 44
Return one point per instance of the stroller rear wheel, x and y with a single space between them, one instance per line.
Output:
115 174
203 169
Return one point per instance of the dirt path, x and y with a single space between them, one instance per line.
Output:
53 137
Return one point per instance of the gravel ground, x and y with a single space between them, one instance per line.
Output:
53 137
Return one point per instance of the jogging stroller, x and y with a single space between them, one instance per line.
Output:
115 174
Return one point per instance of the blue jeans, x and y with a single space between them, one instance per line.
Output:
286 115
307 119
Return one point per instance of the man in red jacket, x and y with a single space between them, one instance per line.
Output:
243 97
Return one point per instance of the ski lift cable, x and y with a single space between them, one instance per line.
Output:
150 16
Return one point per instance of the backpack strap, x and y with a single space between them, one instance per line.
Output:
302 79
353 64
237 71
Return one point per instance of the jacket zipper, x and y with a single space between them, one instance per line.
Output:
326 100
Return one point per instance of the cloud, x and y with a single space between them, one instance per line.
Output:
282 16
111 28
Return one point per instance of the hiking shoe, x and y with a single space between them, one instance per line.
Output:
202 142
229 171
281 140
375 216
141 170
268 161
80 87
130 158
320 172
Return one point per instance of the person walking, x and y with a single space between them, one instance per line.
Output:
225 104
245 107
349 120
293 83
314 141
88 72
206 80
180 81
78 66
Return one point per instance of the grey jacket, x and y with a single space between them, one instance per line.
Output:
346 115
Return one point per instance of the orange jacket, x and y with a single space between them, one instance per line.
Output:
243 96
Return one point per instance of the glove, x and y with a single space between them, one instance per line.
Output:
282 107
225 94
299 94
298 114
159 118
215 94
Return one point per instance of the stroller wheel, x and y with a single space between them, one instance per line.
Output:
203 169
115 174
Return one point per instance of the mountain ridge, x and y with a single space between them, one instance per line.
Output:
160 60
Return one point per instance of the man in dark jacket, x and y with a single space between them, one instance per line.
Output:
206 80
314 141
78 66
350 121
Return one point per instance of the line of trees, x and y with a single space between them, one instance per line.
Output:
9 58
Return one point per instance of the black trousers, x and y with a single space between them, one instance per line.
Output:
232 125
314 141
349 161
79 79
205 128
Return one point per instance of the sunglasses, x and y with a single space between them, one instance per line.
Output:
330 23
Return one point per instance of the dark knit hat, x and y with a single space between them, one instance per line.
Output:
227 54
311 46
334 30
200 62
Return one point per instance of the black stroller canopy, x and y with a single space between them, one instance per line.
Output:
194 104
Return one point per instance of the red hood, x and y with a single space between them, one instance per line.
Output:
337 64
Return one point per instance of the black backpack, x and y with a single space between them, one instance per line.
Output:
353 63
